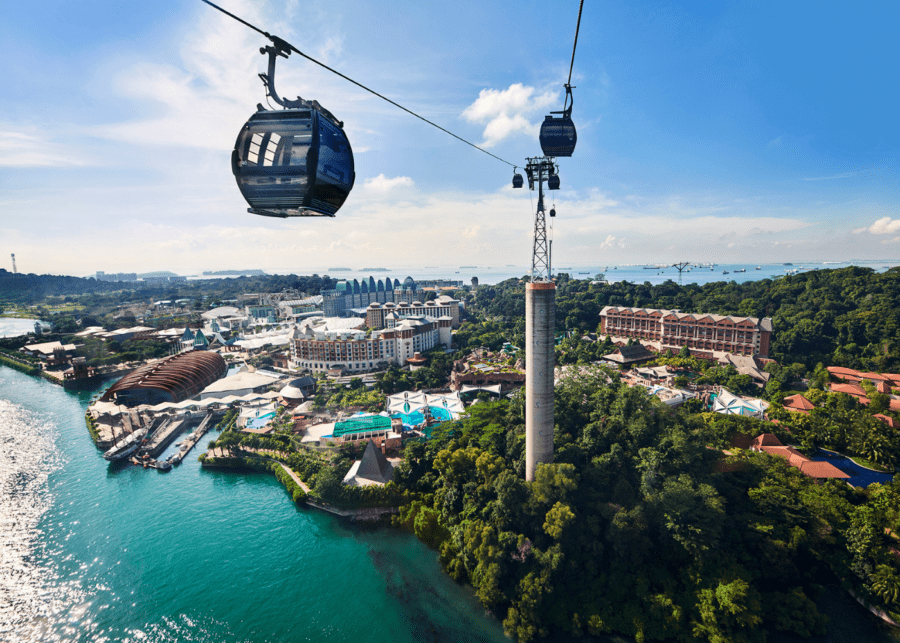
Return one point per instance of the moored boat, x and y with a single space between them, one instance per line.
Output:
125 447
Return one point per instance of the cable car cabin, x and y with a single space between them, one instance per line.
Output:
558 136
293 163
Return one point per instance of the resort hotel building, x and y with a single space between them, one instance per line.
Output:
358 351
671 329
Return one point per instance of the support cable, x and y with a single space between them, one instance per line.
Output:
577 27
277 41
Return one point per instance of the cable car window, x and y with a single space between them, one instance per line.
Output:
299 150
334 154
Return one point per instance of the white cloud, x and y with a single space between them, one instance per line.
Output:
611 241
472 231
33 148
884 225
504 111
381 183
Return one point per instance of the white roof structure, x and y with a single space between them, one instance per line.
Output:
91 330
315 300
472 388
411 401
221 311
239 382
47 348
281 339
728 403
291 392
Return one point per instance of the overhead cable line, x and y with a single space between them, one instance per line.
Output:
577 28
287 45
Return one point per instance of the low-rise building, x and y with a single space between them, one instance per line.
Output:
626 355
728 403
797 403
372 469
51 353
483 368
769 443
240 384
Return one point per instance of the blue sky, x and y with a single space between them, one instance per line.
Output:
720 131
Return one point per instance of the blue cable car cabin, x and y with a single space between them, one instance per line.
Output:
558 136
293 163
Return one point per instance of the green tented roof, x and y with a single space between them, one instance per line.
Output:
362 425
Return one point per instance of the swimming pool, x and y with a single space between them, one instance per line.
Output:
859 476
417 418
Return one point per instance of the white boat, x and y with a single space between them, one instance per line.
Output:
126 446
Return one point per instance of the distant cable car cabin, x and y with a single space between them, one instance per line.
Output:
558 136
295 162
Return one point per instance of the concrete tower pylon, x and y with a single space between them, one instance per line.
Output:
540 326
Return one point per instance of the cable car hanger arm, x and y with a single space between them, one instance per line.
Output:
279 43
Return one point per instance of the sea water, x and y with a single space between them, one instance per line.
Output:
94 551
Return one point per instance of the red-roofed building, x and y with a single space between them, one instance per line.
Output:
850 389
891 422
768 443
840 372
794 457
883 386
873 377
797 403
765 440
822 470
895 406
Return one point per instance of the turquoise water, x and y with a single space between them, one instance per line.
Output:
416 418
99 552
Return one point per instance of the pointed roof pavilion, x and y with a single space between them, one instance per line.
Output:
373 469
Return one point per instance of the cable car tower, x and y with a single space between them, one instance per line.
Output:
540 324
557 138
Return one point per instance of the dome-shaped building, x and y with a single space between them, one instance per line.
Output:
171 379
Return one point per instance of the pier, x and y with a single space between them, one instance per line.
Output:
164 435
193 439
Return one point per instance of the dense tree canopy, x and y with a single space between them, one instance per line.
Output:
640 527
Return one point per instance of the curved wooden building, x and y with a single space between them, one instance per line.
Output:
172 379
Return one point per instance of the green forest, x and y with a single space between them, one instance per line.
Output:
641 526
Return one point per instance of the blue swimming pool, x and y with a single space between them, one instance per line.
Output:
417 418
859 476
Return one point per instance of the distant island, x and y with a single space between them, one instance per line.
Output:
461 267
339 270
240 273
374 270
157 273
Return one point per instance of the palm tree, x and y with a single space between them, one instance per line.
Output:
886 584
